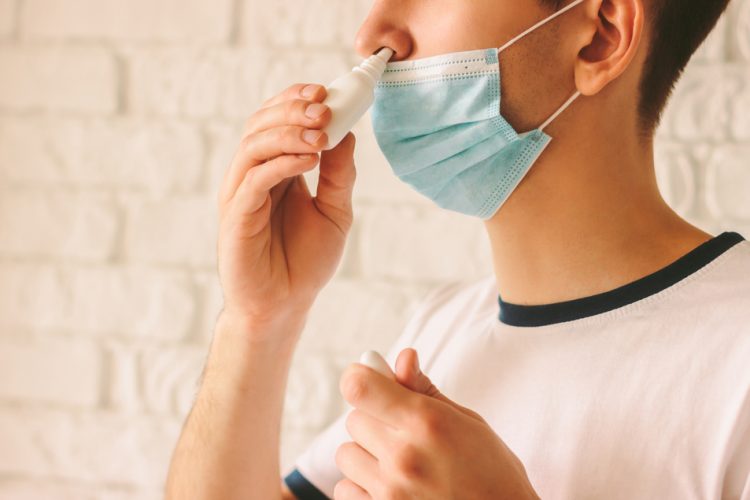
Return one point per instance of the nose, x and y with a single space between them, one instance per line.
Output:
383 28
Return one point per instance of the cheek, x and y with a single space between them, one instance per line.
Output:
534 82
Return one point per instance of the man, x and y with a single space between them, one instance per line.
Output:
616 365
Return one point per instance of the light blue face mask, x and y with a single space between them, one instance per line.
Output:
437 121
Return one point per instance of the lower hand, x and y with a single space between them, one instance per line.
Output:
412 442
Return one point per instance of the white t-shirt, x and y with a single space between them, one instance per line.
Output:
642 392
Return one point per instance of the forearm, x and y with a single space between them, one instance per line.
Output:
229 447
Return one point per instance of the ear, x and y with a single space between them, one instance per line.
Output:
617 28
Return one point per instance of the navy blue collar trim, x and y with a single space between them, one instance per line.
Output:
549 314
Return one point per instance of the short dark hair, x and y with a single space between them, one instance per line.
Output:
678 28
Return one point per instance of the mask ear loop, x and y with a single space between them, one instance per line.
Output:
539 24
562 108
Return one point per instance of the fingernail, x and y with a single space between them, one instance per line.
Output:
315 110
311 136
309 90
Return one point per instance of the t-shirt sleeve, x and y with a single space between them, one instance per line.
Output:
314 473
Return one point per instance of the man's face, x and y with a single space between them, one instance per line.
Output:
534 77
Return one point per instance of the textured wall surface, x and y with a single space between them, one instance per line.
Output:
117 120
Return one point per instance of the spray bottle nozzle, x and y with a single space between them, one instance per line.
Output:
385 54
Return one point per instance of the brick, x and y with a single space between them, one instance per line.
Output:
32 296
224 83
305 23
99 446
411 244
172 231
98 301
71 79
714 48
740 118
196 83
728 183
703 104
739 13
175 21
7 17
42 223
132 301
127 154
57 371
161 381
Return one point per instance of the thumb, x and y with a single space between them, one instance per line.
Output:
411 376
336 180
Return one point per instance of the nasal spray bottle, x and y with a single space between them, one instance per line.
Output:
350 96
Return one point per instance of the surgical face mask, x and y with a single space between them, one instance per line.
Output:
437 121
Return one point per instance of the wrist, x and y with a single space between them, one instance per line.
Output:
244 352
278 331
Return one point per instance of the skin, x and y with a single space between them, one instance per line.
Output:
592 194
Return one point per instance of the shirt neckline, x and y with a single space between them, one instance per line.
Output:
559 312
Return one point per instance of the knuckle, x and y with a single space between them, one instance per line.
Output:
339 490
292 134
249 124
354 385
246 142
393 492
356 388
342 452
294 109
350 421
294 89
408 462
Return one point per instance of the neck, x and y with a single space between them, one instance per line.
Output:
587 218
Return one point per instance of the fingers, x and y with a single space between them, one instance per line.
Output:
311 92
385 399
255 186
288 111
294 112
258 148
287 139
357 465
373 435
346 489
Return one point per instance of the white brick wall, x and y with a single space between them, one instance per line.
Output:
117 121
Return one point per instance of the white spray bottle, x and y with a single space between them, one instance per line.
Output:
351 95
